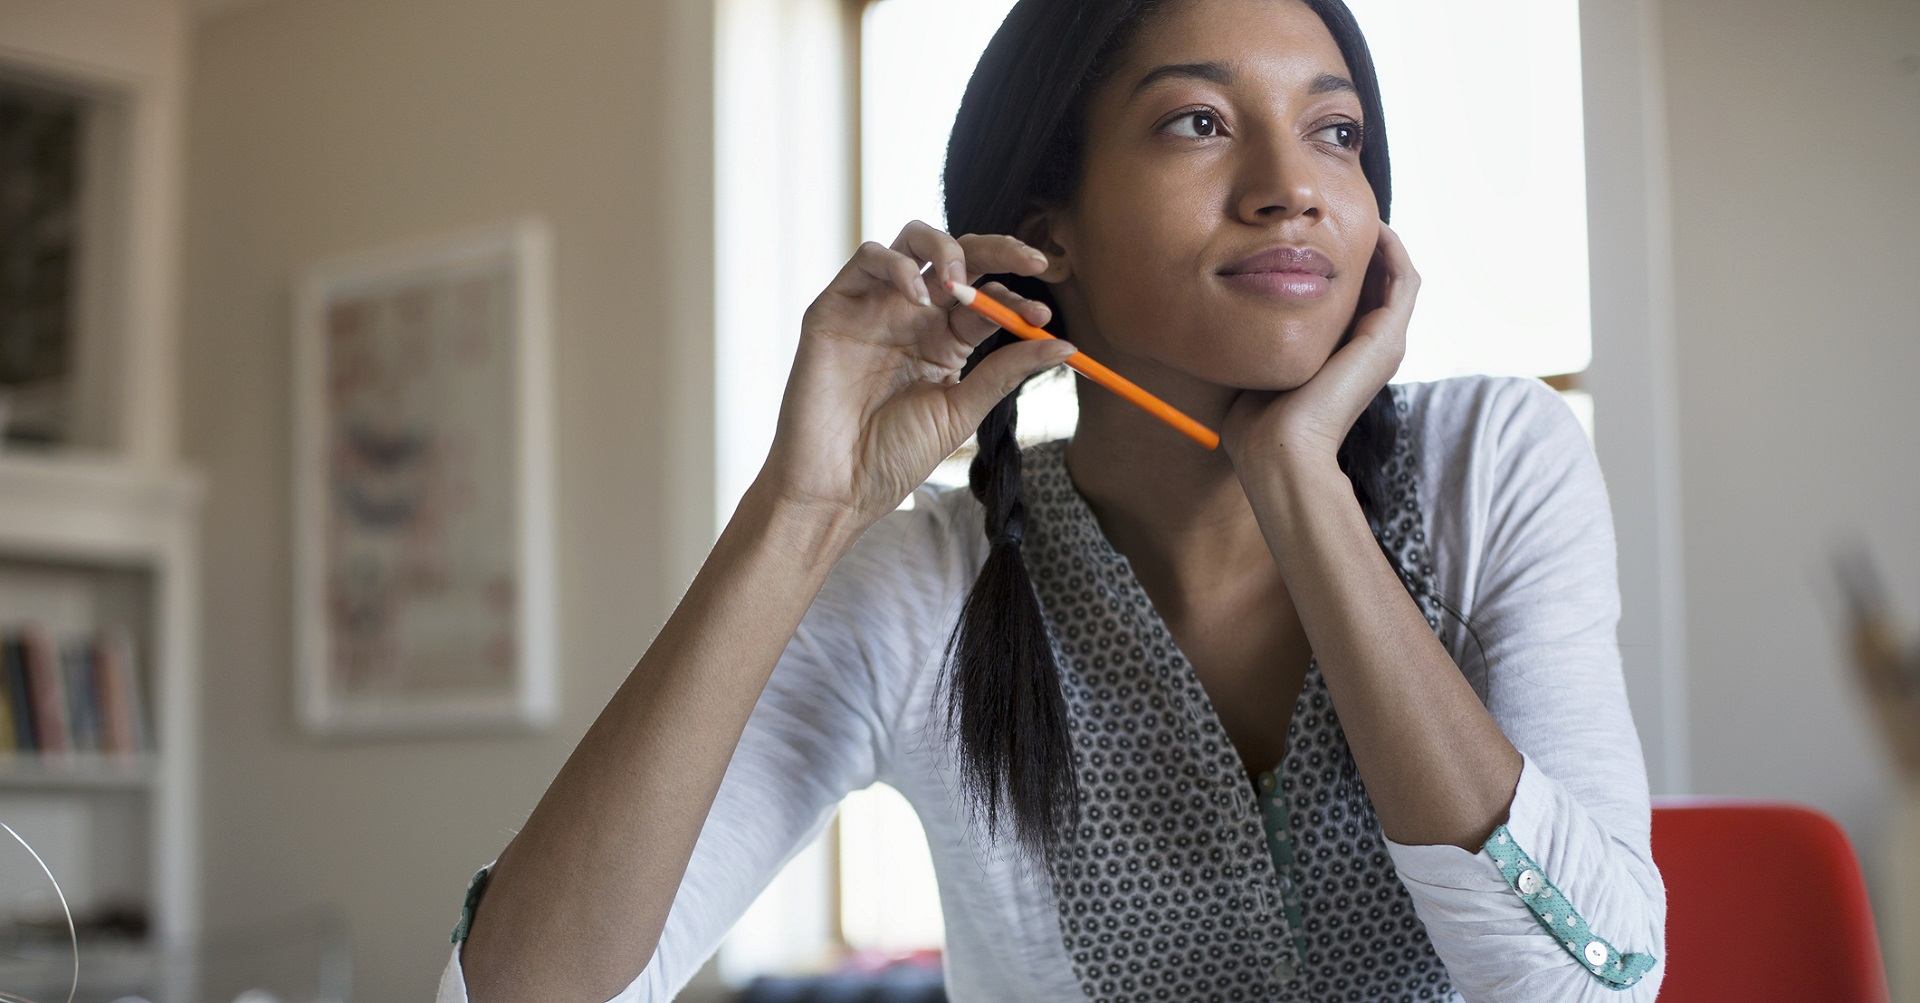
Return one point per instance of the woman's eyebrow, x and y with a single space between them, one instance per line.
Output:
1219 73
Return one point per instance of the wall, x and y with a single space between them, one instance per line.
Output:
1794 131
319 128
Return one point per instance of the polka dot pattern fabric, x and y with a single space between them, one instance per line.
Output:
1169 889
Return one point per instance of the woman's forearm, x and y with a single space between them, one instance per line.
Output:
571 911
1434 760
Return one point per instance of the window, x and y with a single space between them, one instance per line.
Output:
888 900
1521 315
40 154
1485 115
902 150
1485 112
61 157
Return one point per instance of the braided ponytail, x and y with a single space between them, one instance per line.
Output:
1004 704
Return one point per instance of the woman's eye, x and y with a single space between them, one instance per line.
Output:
1205 132
1353 129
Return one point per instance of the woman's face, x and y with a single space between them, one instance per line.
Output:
1195 170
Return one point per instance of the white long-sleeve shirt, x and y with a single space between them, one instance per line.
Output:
1564 903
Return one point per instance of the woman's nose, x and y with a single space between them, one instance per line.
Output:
1277 180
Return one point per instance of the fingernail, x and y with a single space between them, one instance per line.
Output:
1039 257
921 294
957 272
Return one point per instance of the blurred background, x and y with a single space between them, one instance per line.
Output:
374 376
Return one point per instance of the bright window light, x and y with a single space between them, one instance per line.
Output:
888 898
1490 196
916 57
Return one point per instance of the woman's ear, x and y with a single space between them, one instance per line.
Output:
1040 229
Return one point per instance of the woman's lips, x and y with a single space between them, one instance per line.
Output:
1285 285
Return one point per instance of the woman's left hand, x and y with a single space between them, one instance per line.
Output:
1305 426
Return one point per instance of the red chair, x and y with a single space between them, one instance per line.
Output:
1764 902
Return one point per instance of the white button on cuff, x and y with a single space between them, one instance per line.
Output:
1596 953
1529 882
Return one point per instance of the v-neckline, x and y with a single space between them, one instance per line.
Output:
1081 512
1170 795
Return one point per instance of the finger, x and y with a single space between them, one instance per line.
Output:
875 267
1384 331
966 258
936 280
971 328
1385 326
999 374
931 244
1394 251
1394 281
1000 254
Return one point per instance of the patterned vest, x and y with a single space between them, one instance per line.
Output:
1168 889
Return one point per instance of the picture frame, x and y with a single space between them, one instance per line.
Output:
422 486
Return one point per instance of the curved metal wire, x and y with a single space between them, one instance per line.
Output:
72 936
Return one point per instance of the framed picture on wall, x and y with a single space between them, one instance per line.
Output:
422 474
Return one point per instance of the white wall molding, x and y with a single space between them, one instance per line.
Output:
1636 433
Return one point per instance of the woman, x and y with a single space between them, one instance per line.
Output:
1208 693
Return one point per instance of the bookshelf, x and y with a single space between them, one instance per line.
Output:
86 543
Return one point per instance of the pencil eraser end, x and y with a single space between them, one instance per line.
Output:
961 291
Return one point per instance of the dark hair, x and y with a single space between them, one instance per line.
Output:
1017 145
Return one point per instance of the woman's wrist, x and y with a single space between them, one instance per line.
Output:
816 529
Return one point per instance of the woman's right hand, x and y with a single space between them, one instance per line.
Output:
874 401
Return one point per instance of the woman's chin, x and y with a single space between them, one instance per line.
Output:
1283 366
1278 384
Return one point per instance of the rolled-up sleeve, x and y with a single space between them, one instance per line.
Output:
1563 902
818 732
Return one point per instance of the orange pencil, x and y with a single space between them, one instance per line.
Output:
1000 314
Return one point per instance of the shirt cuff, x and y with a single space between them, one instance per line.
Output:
1507 865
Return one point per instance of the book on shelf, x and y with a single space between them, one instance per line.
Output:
78 694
